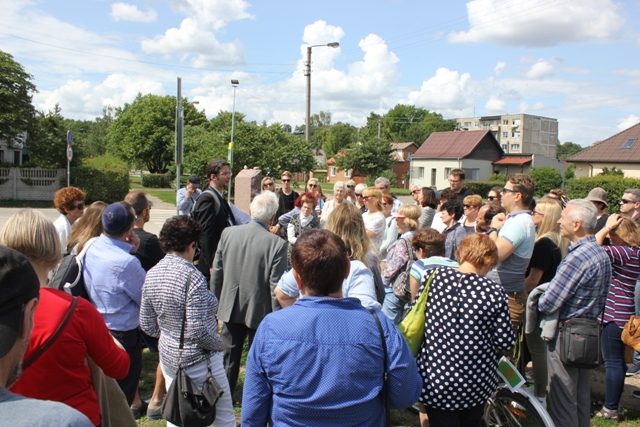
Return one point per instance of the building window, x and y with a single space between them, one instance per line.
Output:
515 134
467 125
505 147
1 156
515 147
347 173
505 122
420 173
333 171
16 157
433 177
505 134
447 172
471 173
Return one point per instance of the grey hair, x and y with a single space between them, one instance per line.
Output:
339 184
382 180
360 188
585 212
264 206
634 192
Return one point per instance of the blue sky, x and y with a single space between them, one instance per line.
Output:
577 61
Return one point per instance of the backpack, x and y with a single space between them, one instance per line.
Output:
401 288
69 275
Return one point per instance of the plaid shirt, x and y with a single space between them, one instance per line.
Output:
581 283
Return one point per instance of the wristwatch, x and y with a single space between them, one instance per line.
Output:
491 230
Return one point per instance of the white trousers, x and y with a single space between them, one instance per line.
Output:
198 373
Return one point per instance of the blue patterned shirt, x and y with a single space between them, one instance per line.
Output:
320 363
581 283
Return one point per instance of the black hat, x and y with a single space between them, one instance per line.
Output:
117 218
18 285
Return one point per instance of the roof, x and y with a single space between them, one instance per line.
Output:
451 145
514 160
402 145
623 147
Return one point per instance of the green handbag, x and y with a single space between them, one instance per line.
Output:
412 327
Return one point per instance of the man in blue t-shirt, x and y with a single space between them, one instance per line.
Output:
514 235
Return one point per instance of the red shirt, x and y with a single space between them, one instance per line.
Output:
61 373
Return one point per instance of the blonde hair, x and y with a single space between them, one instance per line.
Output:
374 192
28 231
411 215
628 232
472 200
346 221
87 226
549 227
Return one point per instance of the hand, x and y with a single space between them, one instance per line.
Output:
274 229
613 221
134 240
498 221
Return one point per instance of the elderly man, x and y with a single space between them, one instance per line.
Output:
383 184
514 235
339 193
321 361
578 290
247 267
19 293
114 278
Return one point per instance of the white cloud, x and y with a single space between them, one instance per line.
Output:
541 69
500 67
495 105
446 91
539 23
130 12
628 121
216 13
82 99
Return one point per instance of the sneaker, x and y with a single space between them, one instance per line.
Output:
636 394
633 370
606 413
139 411
154 412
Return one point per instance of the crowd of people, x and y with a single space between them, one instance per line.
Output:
310 285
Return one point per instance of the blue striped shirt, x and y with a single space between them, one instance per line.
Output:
580 285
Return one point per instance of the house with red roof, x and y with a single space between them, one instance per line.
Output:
621 151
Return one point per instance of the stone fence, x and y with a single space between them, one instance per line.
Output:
30 183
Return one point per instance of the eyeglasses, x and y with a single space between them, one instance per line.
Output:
415 191
508 190
358 194
286 180
625 201
78 205
351 186
537 213
491 198
366 197
268 184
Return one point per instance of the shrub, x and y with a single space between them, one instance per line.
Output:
614 185
545 179
482 187
103 178
157 180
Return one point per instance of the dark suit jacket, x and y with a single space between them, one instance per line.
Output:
213 216
248 265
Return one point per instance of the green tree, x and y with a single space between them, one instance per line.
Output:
16 90
143 133
567 149
368 158
405 123
47 144
545 179
612 171
338 136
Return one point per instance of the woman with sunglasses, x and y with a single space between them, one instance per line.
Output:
470 207
313 186
69 201
495 195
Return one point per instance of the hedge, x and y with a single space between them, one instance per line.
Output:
103 178
614 185
157 180
482 187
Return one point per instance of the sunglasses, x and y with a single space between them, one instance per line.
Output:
358 194
312 185
625 201
366 197
468 206
351 186
508 190
492 198
79 205
268 184
286 180
415 191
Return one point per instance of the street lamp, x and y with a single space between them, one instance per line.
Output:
307 73
235 84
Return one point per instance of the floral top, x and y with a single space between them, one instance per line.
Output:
467 327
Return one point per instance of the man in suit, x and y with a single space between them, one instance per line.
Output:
247 267
213 213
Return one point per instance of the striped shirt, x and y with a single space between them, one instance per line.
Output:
620 305
162 308
580 285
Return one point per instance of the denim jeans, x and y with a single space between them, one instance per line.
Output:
615 368
393 308
198 373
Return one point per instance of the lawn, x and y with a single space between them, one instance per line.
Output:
167 195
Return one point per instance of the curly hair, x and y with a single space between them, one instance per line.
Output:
178 232
66 197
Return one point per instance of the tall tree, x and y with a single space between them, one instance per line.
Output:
143 132
338 136
567 149
47 144
16 90
369 158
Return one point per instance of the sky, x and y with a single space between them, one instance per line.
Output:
574 60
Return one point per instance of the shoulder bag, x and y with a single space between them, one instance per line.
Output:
186 404
401 288
631 333
579 342
412 326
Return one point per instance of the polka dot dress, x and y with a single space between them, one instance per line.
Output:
467 326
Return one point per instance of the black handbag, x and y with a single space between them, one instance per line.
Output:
186 404
579 342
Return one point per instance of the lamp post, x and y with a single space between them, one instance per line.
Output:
235 84
307 73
